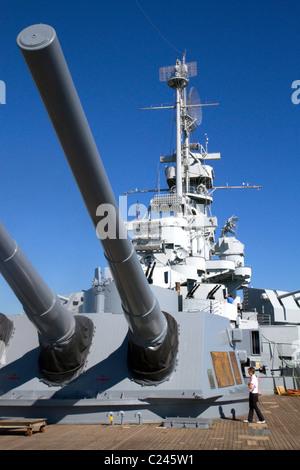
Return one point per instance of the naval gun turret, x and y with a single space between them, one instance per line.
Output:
152 333
64 339
143 355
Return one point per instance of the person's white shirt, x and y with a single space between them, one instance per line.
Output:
254 383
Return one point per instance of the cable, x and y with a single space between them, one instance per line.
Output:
156 29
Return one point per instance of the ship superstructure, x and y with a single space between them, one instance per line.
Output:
175 240
177 247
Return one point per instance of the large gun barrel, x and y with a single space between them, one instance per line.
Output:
64 340
152 333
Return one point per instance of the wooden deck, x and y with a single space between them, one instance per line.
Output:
280 432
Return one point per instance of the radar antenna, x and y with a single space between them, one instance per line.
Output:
230 226
181 69
194 109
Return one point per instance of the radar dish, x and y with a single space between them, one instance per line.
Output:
194 108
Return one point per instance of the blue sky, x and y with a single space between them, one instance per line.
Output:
248 57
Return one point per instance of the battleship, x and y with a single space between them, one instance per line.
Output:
162 334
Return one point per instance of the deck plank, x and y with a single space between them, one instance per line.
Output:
280 432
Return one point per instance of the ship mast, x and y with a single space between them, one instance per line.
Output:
186 147
179 81
188 118
188 115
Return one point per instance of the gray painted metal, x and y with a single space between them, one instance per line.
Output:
64 340
273 306
176 422
44 57
40 303
105 387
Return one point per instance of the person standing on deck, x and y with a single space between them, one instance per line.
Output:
253 398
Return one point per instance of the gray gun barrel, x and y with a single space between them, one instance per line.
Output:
148 326
61 337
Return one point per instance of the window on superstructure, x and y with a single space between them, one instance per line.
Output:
255 342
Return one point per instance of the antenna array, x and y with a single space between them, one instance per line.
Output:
187 70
